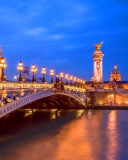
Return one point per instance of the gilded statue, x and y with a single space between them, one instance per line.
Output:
97 46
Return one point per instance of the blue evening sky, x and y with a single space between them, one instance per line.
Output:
60 34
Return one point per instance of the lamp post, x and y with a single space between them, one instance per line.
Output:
3 66
71 78
81 81
33 70
43 72
84 84
51 74
20 69
66 77
78 80
74 81
61 76
57 79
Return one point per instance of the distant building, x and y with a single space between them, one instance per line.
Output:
115 74
25 73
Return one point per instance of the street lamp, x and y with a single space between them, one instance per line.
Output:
51 74
75 80
66 77
3 66
57 79
71 78
15 77
43 72
33 70
84 84
20 69
61 75
78 80
81 81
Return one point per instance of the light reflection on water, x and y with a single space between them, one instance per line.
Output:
65 135
112 136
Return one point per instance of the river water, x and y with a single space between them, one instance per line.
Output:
65 135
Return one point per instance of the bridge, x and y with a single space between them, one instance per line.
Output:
43 96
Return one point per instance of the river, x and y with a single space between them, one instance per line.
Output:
64 135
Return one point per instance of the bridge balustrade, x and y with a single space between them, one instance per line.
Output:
24 85
17 85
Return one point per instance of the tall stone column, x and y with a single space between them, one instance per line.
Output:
97 67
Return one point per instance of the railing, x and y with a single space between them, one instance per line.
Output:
24 85
16 85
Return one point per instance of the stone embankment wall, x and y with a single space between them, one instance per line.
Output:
107 98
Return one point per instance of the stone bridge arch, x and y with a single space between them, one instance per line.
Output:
70 100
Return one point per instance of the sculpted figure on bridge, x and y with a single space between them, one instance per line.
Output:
97 46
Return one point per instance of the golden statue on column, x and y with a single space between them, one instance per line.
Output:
97 66
97 46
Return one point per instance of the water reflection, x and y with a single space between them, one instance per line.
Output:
63 135
89 114
113 146
79 113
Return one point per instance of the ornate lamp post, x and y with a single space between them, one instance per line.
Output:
20 69
71 78
78 80
33 70
61 75
43 72
75 81
84 84
57 79
81 81
51 74
3 66
66 77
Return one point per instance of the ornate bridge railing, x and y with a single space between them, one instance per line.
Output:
23 85
17 85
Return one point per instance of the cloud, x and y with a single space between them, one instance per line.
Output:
35 31
73 22
73 47
56 36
